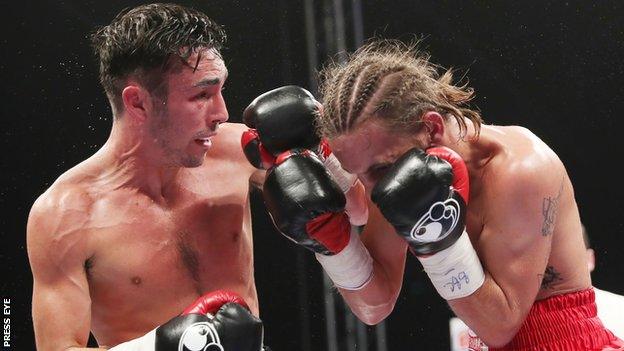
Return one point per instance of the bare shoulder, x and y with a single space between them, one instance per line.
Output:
227 142
525 163
56 220
227 147
523 177
62 196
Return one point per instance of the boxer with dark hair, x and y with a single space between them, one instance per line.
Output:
159 216
488 210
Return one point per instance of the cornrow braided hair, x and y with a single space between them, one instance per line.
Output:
346 88
331 109
368 87
391 81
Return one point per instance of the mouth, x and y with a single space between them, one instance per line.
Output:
204 142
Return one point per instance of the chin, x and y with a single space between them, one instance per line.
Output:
192 161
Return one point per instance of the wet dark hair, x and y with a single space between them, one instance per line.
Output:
148 41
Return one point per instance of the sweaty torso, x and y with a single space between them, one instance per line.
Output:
502 147
148 259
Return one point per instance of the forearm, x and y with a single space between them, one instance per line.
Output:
491 312
55 347
374 302
365 283
357 204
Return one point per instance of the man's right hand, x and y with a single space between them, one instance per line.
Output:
218 321
309 208
305 204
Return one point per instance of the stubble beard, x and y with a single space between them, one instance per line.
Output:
172 157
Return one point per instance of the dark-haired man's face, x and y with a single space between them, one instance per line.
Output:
194 108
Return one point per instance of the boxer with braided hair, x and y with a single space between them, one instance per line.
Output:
489 211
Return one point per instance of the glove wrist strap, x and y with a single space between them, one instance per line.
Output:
351 268
344 179
456 271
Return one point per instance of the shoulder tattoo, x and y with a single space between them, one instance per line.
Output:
549 212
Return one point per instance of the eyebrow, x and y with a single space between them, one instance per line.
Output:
208 82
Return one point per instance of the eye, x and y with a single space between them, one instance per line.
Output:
379 170
201 95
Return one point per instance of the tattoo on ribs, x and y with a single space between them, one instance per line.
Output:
549 211
549 278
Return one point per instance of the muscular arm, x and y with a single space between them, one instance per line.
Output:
57 254
514 248
376 300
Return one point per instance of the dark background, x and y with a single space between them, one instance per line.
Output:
553 67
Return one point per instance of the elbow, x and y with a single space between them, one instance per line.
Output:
373 315
497 340
502 334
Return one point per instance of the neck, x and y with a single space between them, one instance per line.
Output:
475 150
132 161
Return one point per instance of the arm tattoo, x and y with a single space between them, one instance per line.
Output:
549 211
549 278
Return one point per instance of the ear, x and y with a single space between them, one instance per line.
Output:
434 124
135 102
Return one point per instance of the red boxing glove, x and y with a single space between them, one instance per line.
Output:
211 302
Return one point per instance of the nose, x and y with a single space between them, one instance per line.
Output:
219 113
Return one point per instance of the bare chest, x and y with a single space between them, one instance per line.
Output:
168 241
149 257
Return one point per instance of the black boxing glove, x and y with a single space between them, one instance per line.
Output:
309 209
284 119
218 321
305 204
424 196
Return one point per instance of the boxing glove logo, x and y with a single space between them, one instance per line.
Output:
438 222
200 336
